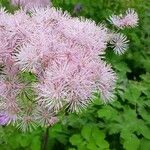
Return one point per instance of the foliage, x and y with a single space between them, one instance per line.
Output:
123 124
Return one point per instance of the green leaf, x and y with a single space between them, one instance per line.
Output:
36 143
81 146
56 128
86 132
143 129
99 138
92 146
130 141
28 77
145 144
76 139
143 112
132 93
13 141
24 140
71 149
117 104
114 127
107 112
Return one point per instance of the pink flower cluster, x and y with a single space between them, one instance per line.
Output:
29 4
64 53
130 19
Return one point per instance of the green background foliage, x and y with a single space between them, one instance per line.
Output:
122 125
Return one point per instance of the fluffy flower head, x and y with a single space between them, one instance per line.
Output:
52 61
130 19
28 4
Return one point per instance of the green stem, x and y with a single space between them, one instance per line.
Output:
45 139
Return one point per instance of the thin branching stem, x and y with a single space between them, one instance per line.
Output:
45 139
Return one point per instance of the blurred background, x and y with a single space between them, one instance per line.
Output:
122 125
